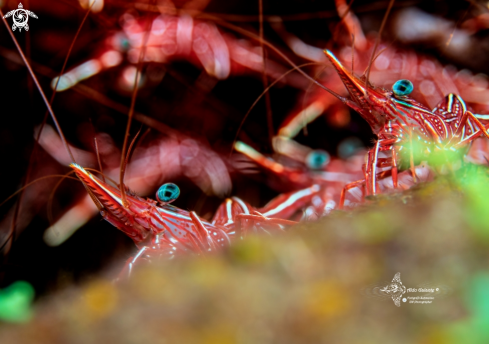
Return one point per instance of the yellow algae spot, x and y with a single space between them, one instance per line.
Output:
433 336
252 250
100 299
220 334
326 299
373 227
147 281
207 272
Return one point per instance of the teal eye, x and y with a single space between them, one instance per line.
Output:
167 193
125 44
349 147
317 159
402 87
122 42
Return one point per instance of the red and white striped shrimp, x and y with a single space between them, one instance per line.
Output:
431 79
398 119
148 169
166 38
161 230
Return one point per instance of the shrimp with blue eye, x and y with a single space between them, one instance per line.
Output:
162 231
397 119
301 167
431 79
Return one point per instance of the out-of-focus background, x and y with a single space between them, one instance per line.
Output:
190 117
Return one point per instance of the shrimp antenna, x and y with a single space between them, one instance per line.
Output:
44 98
375 58
11 234
131 113
352 51
276 50
129 150
268 103
97 151
343 10
260 96
253 36
377 41
49 111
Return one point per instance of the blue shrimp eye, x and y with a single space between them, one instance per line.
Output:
122 42
402 87
317 159
167 193
125 44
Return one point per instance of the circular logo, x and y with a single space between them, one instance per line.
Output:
404 300
20 17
